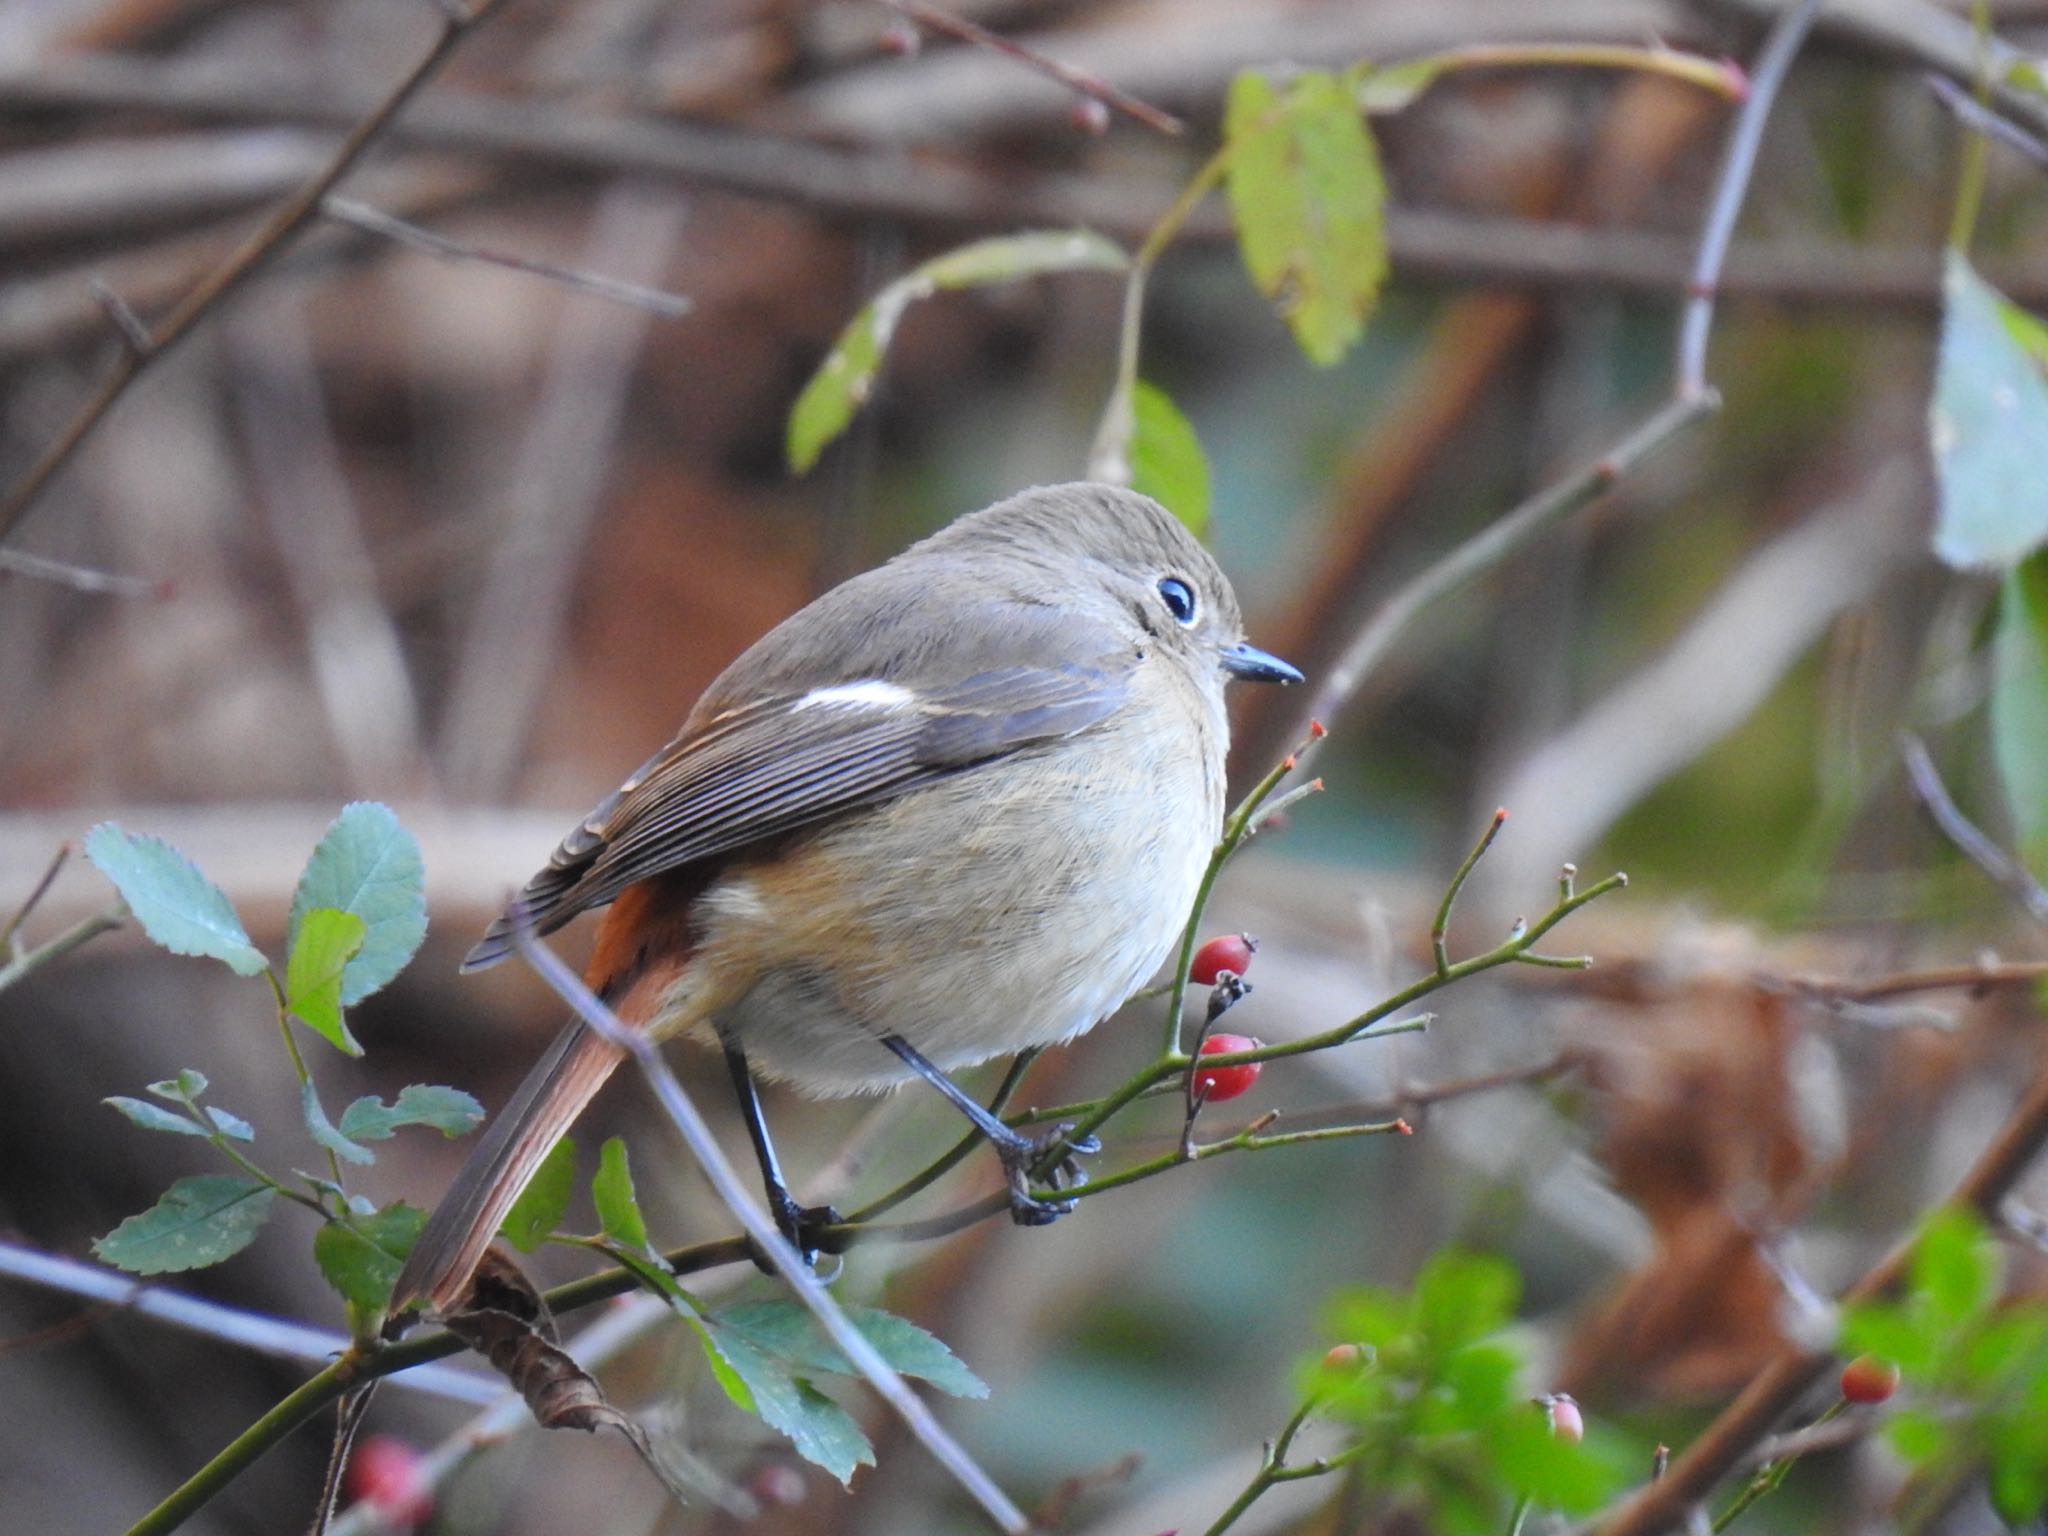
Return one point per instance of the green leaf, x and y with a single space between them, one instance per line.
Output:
1917 1434
448 1110
1987 423
147 1115
322 1130
2019 702
368 864
1309 200
198 1221
187 1085
618 1208
821 1431
1463 1296
323 943
232 1126
179 908
1892 1333
1956 1267
1167 462
538 1211
361 1258
1554 1473
1390 89
788 1329
843 381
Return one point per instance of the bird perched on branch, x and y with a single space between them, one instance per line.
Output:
955 808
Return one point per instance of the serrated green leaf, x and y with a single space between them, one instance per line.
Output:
1309 202
322 1130
821 1431
843 381
448 1110
234 1127
361 1258
2019 703
178 907
368 864
1167 462
324 941
147 1115
538 1211
199 1221
618 1207
787 1329
1987 422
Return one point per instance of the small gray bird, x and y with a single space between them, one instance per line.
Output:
956 807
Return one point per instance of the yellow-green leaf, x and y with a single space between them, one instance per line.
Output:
323 943
1309 201
1167 462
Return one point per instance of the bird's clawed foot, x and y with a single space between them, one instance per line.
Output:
1020 1154
804 1228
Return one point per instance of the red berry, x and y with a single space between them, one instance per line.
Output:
385 1472
1227 1082
1869 1379
1566 1422
1343 1357
901 38
1225 952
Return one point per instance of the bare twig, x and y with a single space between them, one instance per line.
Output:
1979 118
36 893
1737 163
2006 872
1972 978
80 578
711 1158
249 1330
1692 400
26 964
251 257
660 304
1083 82
1664 1505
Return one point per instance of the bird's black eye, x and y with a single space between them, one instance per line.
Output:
1180 599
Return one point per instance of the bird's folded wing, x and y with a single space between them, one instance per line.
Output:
779 764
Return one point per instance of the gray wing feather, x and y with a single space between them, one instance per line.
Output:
769 768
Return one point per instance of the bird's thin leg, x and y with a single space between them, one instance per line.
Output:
1018 1152
798 1223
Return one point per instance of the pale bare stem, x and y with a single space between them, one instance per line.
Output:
1439 930
1081 81
1738 162
254 1331
1981 977
80 578
2005 871
1721 76
134 334
657 302
28 962
277 232
769 1241
48 878
348 1421
1978 118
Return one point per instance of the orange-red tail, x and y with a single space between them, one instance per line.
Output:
555 1092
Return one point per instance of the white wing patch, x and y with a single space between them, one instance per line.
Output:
871 692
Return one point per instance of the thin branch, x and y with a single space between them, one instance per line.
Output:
248 1330
36 893
84 931
1083 82
80 578
1692 400
2006 872
1972 978
276 232
1722 1447
1978 118
711 1159
657 302
1738 162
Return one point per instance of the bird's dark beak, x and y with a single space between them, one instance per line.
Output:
1247 661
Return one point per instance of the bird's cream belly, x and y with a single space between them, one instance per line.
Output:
946 946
